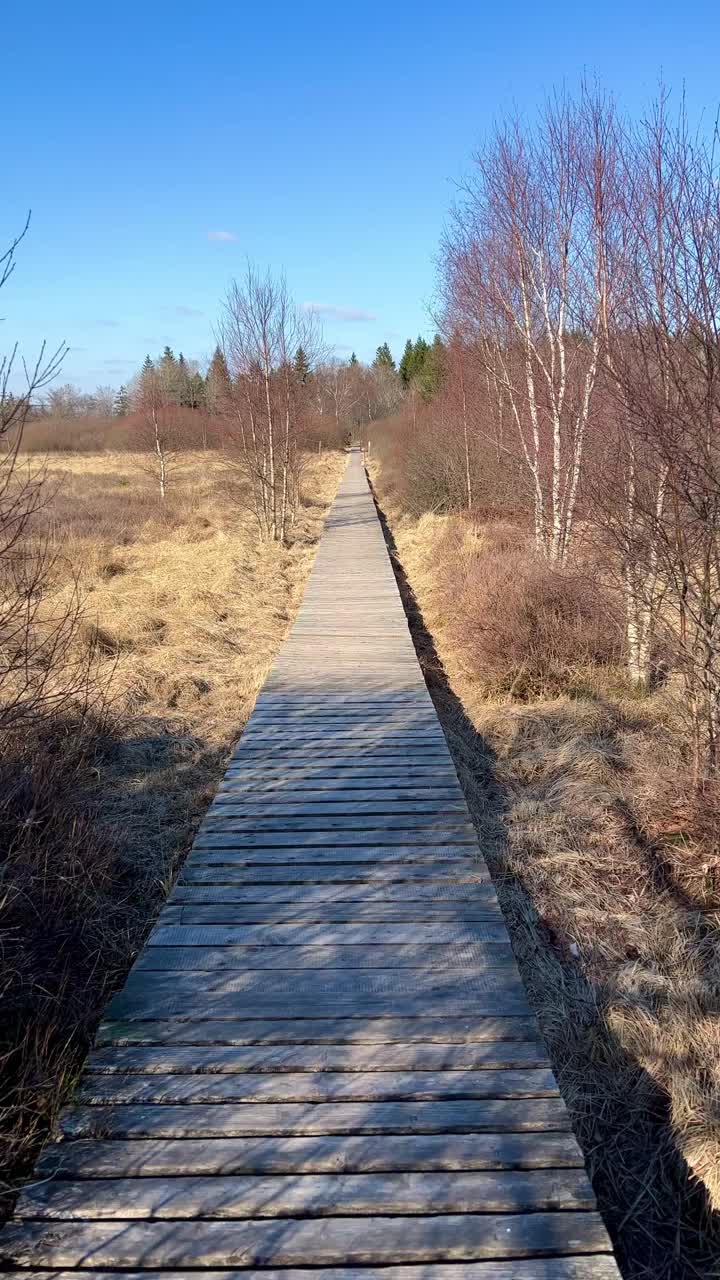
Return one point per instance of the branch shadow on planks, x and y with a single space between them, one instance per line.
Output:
656 1210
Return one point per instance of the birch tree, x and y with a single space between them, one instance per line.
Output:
261 331
666 362
158 434
524 275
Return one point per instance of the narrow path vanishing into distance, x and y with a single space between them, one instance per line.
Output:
324 1057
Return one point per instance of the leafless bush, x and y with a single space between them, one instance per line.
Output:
524 628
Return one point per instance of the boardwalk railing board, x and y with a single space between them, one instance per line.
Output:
324 1057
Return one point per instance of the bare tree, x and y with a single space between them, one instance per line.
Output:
525 278
41 667
666 364
157 433
261 330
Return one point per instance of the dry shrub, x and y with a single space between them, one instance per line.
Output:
62 898
521 627
94 435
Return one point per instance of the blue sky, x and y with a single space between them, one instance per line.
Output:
324 139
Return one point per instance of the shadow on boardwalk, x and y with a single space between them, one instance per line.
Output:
656 1212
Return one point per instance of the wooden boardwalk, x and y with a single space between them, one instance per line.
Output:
324 1057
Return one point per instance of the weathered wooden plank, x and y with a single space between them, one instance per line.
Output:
306 1086
159 1002
321 983
142 1158
330 856
321 1195
349 773
286 933
351 753
460 914
388 804
592 1267
426 1029
438 825
355 861
476 958
400 892
459 872
202 1120
345 1058
237 853
360 730
235 790
368 1240
295 839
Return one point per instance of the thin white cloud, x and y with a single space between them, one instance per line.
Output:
184 313
348 315
224 236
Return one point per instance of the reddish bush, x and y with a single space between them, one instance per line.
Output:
522 626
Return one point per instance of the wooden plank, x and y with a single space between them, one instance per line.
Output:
281 793
345 773
477 958
592 1267
159 1004
200 1030
368 1240
320 1195
335 935
306 1086
315 1058
237 854
454 835
393 891
441 823
420 914
330 856
208 1120
385 804
141 1158
294 984
460 872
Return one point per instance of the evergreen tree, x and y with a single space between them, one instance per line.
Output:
302 367
217 383
407 363
383 358
353 360
182 383
169 375
433 370
146 379
121 406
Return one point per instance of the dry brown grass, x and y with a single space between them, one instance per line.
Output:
609 880
185 609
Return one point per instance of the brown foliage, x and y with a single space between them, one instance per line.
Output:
522 627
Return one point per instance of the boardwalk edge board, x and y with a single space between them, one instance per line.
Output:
323 1064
